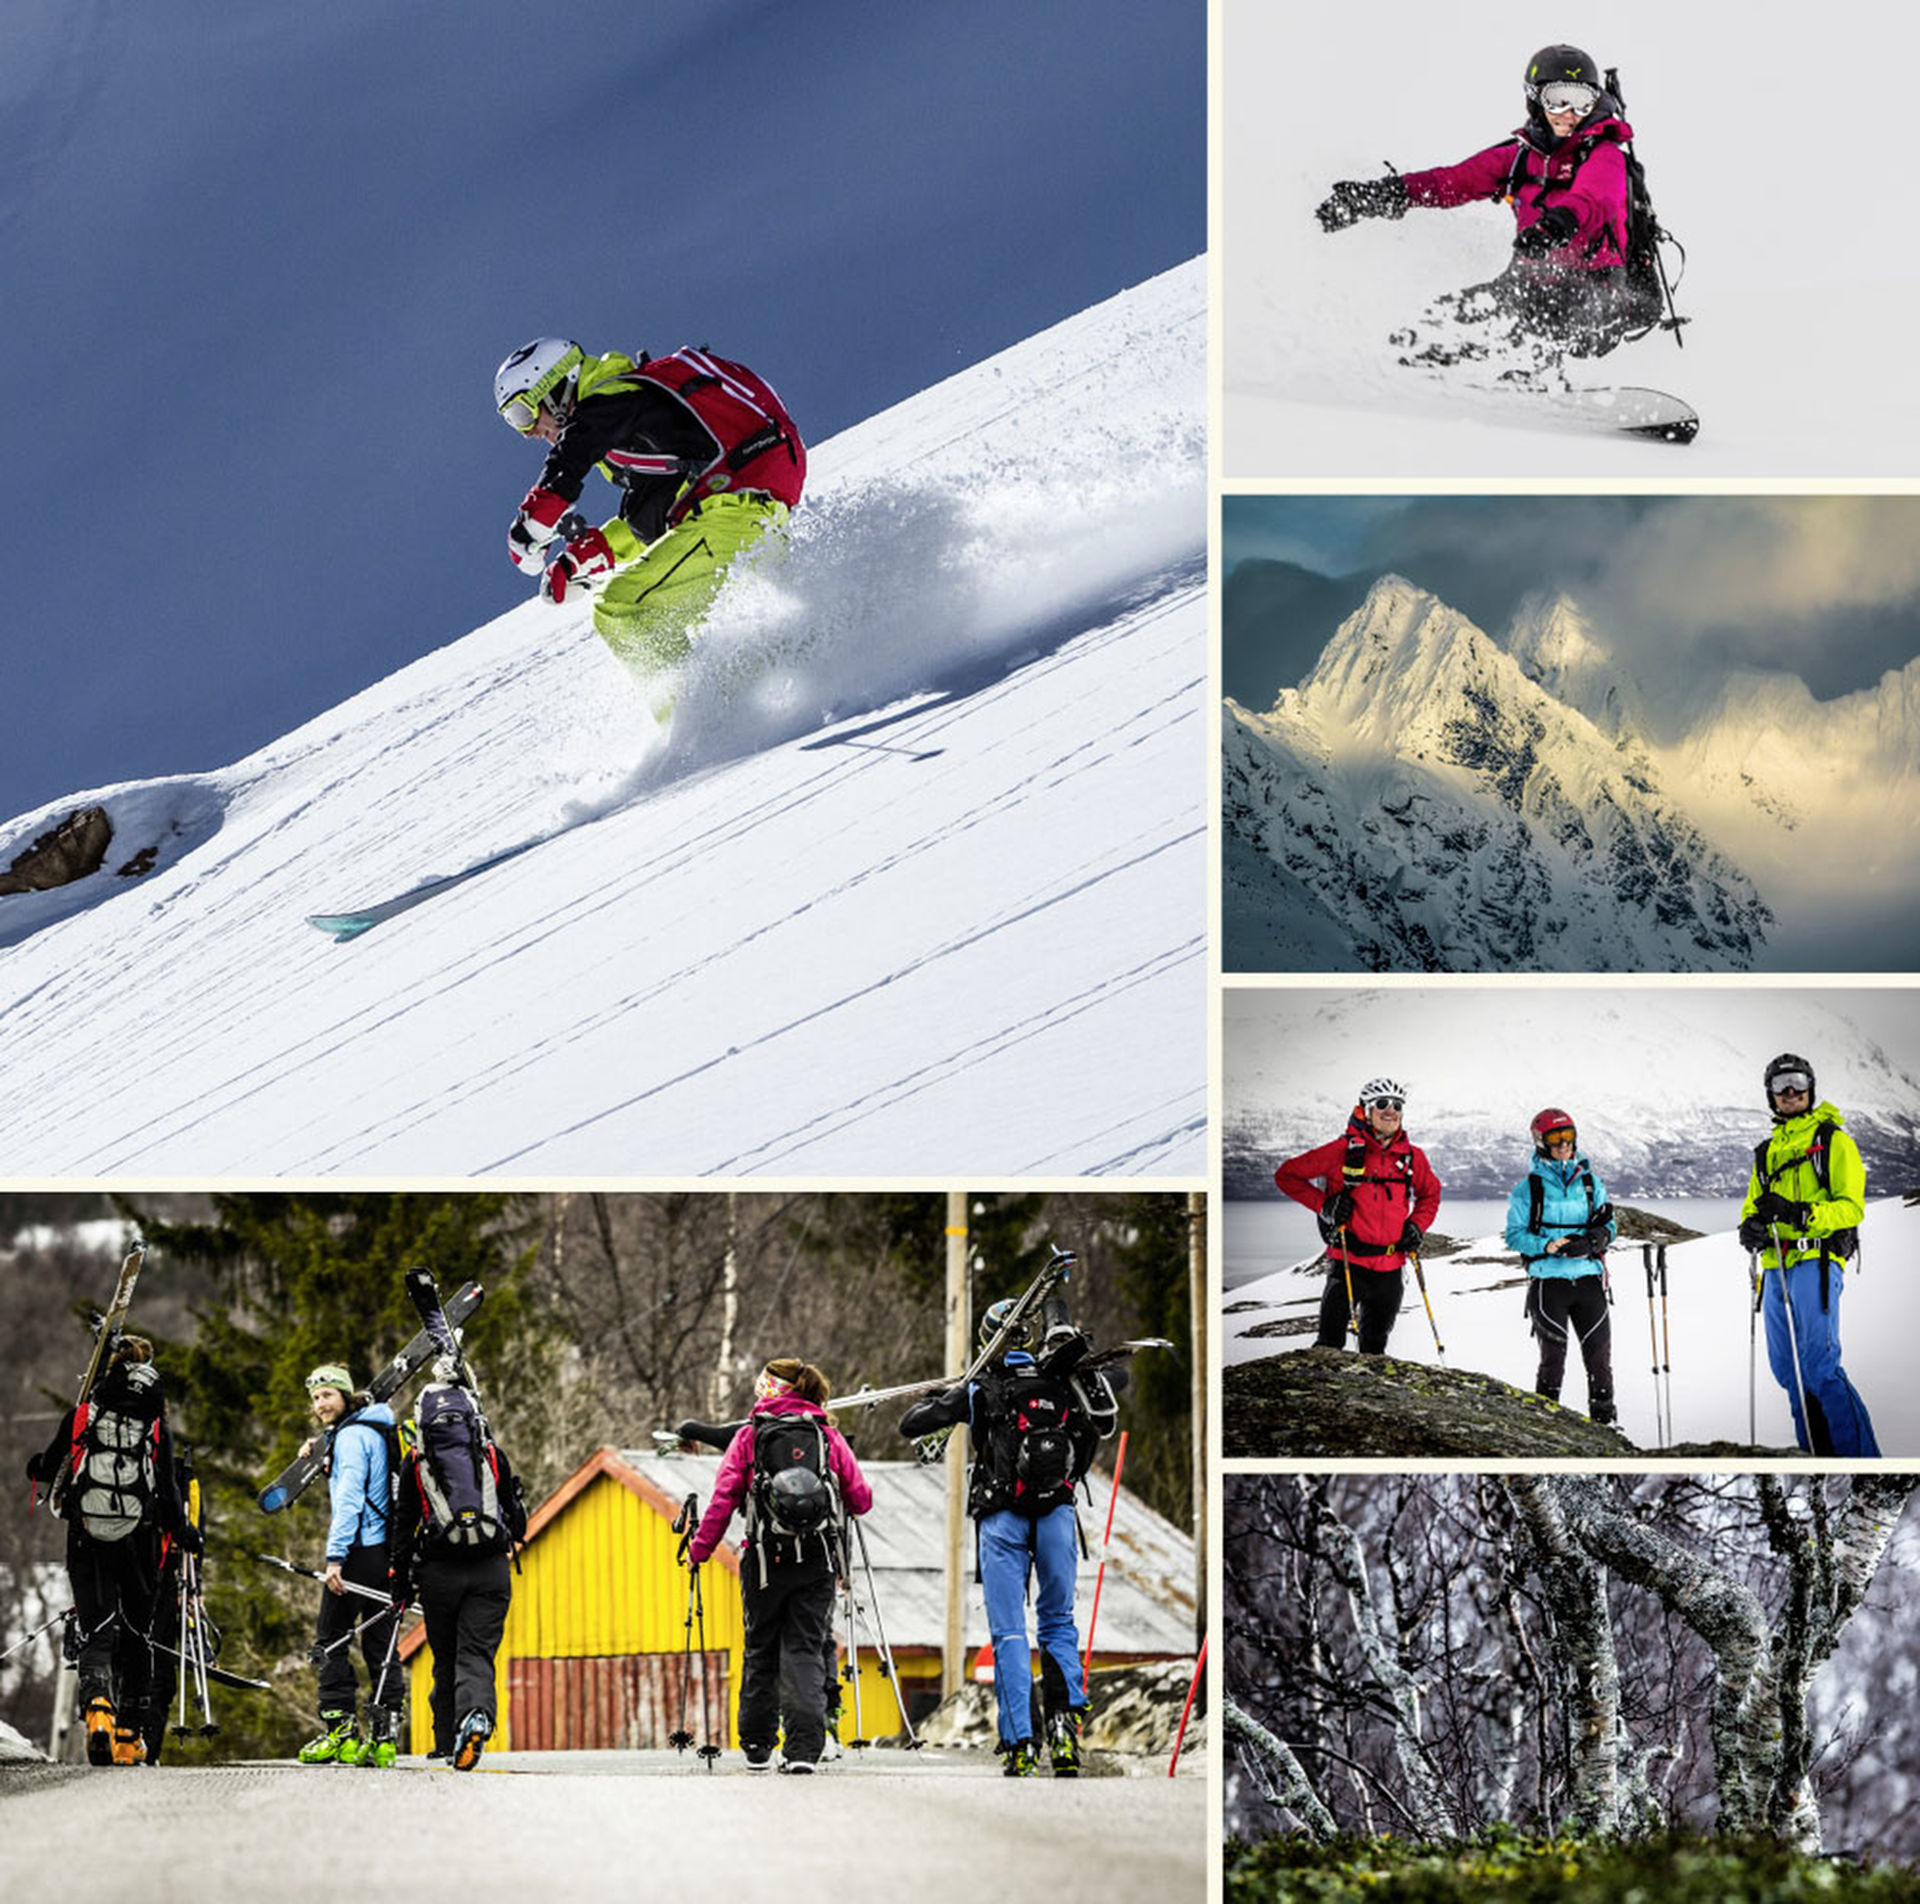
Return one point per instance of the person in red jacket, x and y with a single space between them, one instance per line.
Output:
1563 174
1375 1196
794 1474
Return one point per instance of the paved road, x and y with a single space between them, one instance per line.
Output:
895 1828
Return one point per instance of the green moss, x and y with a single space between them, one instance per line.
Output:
1532 1870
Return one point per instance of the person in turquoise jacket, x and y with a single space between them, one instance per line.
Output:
1560 1223
360 1435
1806 1195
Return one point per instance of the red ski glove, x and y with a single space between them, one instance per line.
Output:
585 561
533 528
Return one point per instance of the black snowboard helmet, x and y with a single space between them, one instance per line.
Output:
1784 1066
1560 65
800 1500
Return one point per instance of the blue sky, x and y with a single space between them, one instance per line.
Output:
265 257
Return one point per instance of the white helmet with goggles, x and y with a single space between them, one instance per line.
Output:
544 371
1388 1091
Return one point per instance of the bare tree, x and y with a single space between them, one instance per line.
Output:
1603 1652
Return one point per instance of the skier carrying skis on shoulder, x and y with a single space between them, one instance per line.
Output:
1035 1421
1805 1198
1566 291
1560 1223
459 1512
1376 1197
707 460
362 1444
123 1511
792 1470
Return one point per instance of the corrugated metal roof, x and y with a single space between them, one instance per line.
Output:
1146 1602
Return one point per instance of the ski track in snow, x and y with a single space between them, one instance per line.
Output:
954 922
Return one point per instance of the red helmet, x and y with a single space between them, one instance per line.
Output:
1549 1125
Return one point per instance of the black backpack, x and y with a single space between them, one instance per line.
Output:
115 1454
1033 1447
464 1509
792 1498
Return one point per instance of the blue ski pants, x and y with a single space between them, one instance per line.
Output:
1839 1423
1012 1550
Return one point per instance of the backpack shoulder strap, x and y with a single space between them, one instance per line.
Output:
1536 1201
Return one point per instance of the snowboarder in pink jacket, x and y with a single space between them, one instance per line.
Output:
1564 175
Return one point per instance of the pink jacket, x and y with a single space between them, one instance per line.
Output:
1586 173
736 1473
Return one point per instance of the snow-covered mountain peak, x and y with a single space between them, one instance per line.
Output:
1558 648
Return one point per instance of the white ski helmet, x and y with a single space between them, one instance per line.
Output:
1383 1090
544 371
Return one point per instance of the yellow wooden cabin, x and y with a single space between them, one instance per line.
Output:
596 1645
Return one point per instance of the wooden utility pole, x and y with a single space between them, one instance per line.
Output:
953 1658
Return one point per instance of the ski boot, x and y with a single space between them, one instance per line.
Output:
1063 1742
100 1730
381 1749
339 1744
1022 1761
129 1748
475 1730
1601 1409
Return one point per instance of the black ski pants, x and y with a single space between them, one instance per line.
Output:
464 1602
1564 1307
116 1587
333 1642
1376 1294
789 1621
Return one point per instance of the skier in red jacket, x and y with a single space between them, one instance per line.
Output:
1376 1197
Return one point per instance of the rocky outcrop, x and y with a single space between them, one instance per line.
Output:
1328 1403
69 851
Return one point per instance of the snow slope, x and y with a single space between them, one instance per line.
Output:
1799 357
915 882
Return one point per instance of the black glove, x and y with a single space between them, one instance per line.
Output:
1338 1209
1771 1207
1355 199
1412 1238
1754 1234
1596 1241
1556 226
191 1540
33 1470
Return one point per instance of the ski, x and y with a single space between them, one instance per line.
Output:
106 1334
423 1291
219 1674
1058 1269
299 1473
349 925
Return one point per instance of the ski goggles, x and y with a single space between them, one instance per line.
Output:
1562 1134
1568 96
1790 1083
522 412
1385 1104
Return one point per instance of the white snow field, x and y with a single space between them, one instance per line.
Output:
915 882
1799 357
1703 1391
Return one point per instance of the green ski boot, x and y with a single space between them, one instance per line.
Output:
339 1744
380 1751
1022 1761
1063 1743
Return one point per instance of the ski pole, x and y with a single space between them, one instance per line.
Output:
35 1634
1106 1541
1653 1344
881 1648
313 1573
1793 1335
1353 1314
1667 1344
709 1751
1753 1315
683 1523
1199 1666
1420 1276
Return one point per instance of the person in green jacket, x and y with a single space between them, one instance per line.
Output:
1805 1199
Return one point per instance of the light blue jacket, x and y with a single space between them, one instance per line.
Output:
1563 1209
359 1480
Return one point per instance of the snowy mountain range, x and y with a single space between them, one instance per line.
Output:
916 881
1431 799
1663 1083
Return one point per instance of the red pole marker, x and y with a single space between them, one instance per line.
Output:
1106 1540
1199 1667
